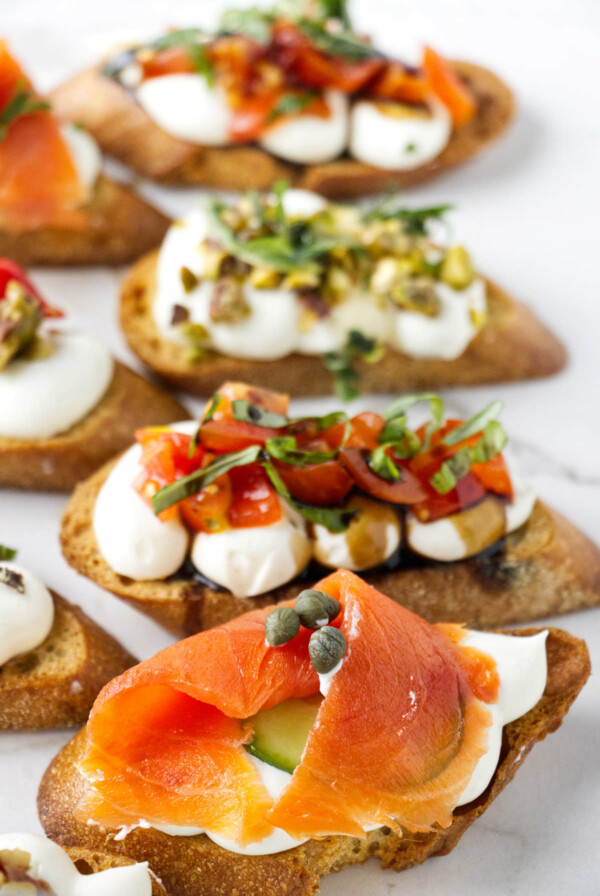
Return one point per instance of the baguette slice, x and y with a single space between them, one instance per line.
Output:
195 866
59 463
546 567
513 345
121 226
55 685
124 130
89 861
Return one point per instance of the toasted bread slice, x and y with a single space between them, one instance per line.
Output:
546 567
55 685
121 226
89 861
195 866
513 345
59 463
124 130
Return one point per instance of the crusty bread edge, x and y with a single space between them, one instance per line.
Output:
513 345
59 463
65 700
194 866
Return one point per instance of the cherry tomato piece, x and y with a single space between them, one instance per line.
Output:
254 501
407 490
324 485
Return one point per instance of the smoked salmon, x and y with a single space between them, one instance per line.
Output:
395 742
39 182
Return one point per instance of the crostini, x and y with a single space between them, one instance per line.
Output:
65 405
31 864
289 92
277 289
198 523
54 659
292 742
56 206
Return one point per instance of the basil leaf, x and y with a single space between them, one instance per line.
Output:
7 553
414 219
23 102
346 378
194 42
383 465
213 407
436 408
291 104
474 425
196 481
491 443
246 412
345 44
284 448
403 440
254 23
335 519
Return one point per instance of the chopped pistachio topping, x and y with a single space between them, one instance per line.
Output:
20 317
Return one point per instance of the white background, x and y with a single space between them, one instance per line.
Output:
528 211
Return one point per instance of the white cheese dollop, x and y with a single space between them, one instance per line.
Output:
131 538
187 107
43 397
85 153
302 203
26 611
448 334
307 139
255 559
441 539
522 669
51 864
392 136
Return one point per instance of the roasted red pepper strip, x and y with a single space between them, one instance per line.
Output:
9 270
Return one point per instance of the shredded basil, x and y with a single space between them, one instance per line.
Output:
284 448
23 102
291 104
7 553
246 412
344 44
415 219
474 424
254 23
199 479
383 465
335 519
491 443
436 407
193 41
346 379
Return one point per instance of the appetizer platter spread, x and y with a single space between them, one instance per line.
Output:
292 91
357 606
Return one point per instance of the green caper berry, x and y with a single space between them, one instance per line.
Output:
281 625
316 608
326 648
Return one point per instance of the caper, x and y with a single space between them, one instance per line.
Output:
316 608
281 625
326 648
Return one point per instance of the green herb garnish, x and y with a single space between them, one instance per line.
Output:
284 448
254 23
474 424
7 553
23 102
344 44
291 104
190 485
346 378
194 42
335 519
436 408
246 412
414 219
491 443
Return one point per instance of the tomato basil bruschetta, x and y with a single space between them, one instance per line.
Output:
268 288
56 207
30 864
289 743
290 92
195 524
53 659
65 405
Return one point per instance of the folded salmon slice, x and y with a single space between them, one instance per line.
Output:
39 183
395 742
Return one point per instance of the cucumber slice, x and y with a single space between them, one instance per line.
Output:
280 733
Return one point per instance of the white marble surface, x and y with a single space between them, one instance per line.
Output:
528 209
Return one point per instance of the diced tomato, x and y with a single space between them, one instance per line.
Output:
407 490
230 391
254 501
172 61
494 476
449 88
9 270
399 83
250 116
207 511
164 459
366 428
224 436
312 68
325 484
235 58
468 490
